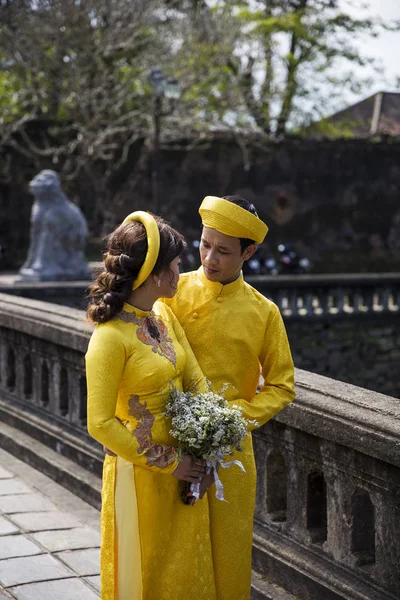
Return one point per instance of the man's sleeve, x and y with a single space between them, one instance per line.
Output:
278 374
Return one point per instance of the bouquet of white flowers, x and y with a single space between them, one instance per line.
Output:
206 427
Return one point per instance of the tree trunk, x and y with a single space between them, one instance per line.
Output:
291 81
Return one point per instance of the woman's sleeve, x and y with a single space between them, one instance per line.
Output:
105 362
278 374
193 378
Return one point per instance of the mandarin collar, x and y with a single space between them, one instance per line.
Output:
138 311
217 288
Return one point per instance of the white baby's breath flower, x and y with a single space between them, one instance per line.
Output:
204 424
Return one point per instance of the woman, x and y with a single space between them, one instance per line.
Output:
153 547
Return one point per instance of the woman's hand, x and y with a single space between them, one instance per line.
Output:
107 451
190 469
205 484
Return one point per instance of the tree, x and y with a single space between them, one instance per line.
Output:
74 89
274 61
74 82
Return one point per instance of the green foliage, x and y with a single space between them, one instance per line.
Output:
82 68
249 62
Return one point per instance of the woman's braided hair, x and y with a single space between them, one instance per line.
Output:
123 259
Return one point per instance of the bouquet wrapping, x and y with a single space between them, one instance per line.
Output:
206 427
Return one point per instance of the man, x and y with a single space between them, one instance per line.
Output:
233 330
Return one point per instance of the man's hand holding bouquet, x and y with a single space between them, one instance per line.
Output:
206 427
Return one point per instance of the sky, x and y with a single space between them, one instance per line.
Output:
386 48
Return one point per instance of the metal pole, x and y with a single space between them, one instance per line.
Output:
156 153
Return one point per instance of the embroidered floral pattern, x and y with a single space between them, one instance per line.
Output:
157 455
152 332
160 456
142 431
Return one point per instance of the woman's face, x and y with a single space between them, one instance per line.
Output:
169 279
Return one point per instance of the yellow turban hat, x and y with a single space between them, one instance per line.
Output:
230 219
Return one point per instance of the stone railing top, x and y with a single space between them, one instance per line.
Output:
331 280
354 417
53 322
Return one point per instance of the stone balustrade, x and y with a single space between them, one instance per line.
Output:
42 375
331 295
327 521
297 296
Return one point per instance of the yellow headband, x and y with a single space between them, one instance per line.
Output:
231 219
153 244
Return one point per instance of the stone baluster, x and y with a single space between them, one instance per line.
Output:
309 303
384 299
368 300
338 300
281 301
82 401
293 302
44 384
357 301
324 298
396 299
2 362
11 371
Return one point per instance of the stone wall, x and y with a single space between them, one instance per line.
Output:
362 351
346 327
321 195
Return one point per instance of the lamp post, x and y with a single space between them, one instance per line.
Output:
163 88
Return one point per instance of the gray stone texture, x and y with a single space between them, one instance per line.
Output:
342 326
13 486
24 503
58 234
328 479
67 589
44 521
83 562
4 474
16 571
362 351
6 527
28 569
94 580
12 546
62 497
68 539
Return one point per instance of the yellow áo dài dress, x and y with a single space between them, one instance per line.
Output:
153 546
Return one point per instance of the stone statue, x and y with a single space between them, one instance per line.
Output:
58 234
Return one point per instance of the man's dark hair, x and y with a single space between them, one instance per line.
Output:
243 203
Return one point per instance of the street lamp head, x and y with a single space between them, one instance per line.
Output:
158 81
172 89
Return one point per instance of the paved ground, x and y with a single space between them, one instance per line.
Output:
49 538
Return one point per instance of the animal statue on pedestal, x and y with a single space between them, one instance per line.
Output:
58 234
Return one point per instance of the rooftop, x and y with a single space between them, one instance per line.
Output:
376 115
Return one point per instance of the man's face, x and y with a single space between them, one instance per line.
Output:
221 255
